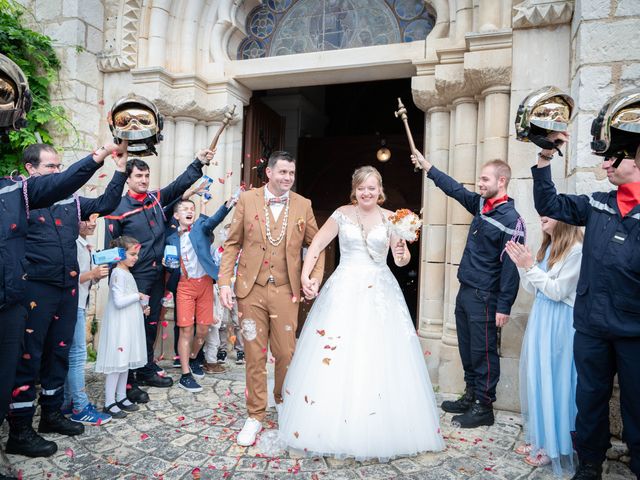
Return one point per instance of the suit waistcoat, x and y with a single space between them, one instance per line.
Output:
275 258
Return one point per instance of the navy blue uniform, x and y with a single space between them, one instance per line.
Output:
15 200
52 281
606 313
488 284
145 221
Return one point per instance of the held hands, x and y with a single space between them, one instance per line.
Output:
205 156
520 254
420 162
310 287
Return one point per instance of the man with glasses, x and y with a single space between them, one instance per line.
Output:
52 273
607 306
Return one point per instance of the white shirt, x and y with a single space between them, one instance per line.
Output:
84 262
190 258
276 208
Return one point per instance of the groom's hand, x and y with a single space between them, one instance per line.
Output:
226 297
310 288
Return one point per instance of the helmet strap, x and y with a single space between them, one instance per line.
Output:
542 142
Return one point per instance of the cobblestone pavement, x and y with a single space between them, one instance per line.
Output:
180 435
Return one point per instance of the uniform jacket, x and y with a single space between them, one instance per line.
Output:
484 264
51 249
145 221
199 235
608 291
16 198
247 233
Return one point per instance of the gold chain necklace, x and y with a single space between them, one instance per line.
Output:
283 230
364 236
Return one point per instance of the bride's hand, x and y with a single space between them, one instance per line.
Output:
400 249
309 288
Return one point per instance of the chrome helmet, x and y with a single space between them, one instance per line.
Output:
15 97
616 129
136 119
545 110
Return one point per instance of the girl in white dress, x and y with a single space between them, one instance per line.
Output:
358 385
122 344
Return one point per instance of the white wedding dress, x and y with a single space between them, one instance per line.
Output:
358 385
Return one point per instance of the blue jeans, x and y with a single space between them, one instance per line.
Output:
74 391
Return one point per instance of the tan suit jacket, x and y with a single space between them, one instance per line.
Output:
249 234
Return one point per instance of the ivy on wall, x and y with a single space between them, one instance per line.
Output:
33 52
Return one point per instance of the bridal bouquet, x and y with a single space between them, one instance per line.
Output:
405 224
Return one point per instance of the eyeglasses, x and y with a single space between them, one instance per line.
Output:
134 119
54 166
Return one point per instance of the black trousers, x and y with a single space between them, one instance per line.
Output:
597 360
51 321
152 285
13 319
478 341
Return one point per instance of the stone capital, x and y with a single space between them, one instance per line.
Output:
542 13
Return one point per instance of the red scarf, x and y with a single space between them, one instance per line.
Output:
137 196
628 197
491 203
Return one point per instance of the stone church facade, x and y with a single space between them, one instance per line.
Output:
479 59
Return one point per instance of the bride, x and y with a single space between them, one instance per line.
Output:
358 385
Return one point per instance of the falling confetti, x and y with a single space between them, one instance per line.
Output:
69 453
326 361
26 356
144 436
221 180
320 332
120 349
296 434
58 222
102 175
29 330
13 226
165 324
62 344
73 292
195 473
41 219
33 305
73 274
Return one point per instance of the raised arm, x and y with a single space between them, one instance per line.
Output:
469 200
176 189
44 191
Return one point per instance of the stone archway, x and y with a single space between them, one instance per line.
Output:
181 55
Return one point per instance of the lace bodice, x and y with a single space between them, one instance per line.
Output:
352 245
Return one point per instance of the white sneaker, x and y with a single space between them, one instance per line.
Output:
250 430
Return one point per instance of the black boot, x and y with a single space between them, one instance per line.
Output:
460 405
156 380
23 440
588 471
136 395
54 422
479 414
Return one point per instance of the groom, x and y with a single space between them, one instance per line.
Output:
270 226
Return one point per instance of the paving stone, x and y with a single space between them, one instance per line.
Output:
177 432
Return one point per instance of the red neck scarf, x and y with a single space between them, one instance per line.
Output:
137 196
628 197
491 203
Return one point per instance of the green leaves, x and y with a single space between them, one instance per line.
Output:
34 54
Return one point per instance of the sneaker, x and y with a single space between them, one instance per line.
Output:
196 369
222 356
249 432
90 416
239 357
176 362
213 368
188 383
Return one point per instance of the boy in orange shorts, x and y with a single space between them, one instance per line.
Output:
194 292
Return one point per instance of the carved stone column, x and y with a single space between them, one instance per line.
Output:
166 151
185 144
158 23
496 123
489 15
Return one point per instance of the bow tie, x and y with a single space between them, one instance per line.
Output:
277 200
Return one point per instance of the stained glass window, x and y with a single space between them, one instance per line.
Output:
285 27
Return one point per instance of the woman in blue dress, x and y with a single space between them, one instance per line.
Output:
547 370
